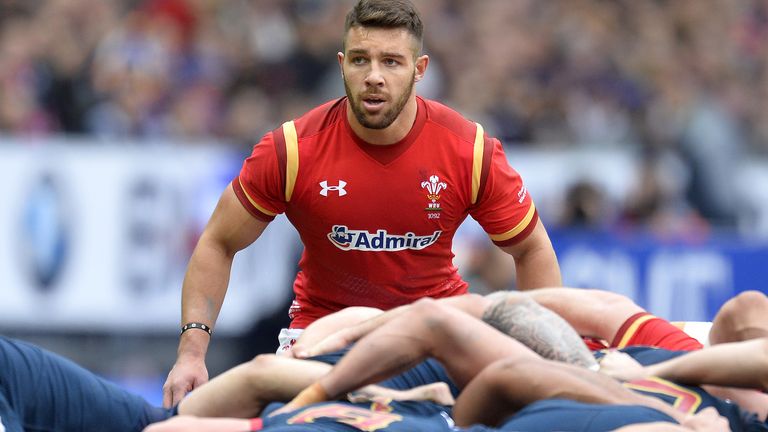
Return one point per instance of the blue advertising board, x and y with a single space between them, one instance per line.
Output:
681 279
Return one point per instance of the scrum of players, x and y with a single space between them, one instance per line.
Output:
547 359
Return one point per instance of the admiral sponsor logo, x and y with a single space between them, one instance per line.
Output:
347 239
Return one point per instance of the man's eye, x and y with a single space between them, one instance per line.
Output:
390 62
359 60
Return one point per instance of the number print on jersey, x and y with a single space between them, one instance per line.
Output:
683 399
378 417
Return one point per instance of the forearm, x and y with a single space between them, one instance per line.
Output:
378 356
205 285
741 364
375 322
332 324
246 389
230 229
347 336
472 304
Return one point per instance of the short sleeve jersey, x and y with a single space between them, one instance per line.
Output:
377 222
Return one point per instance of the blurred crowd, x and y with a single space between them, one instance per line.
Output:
680 82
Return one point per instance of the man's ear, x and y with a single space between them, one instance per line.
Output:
340 58
421 67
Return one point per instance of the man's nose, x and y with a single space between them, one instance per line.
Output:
375 78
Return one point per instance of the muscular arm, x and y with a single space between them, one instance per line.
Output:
230 229
538 328
471 304
535 260
343 337
329 333
246 389
592 312
508 385
738 364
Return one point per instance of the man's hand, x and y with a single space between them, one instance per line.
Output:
622 366
187 374
330 344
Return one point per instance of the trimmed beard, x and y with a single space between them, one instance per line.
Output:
389 116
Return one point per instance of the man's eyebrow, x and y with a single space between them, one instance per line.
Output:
361 51
392 55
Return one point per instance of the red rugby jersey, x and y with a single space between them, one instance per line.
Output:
377 221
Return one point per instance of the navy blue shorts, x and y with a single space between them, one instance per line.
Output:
42 391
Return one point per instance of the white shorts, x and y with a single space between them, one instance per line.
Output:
698 330
286 339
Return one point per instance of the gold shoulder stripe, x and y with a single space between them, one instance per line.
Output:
477 161
253 202
633 329
517 229
291 158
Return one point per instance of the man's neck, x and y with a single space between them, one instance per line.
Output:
393 133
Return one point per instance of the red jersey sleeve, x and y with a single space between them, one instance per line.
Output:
504 208
260 185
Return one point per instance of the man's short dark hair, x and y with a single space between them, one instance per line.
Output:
388 14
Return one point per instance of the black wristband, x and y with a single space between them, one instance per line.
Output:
197 325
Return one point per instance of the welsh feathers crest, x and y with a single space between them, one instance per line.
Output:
434 186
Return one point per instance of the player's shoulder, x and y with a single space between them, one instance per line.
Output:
450 121
560 414
320 118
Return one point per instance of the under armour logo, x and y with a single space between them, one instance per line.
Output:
339 188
